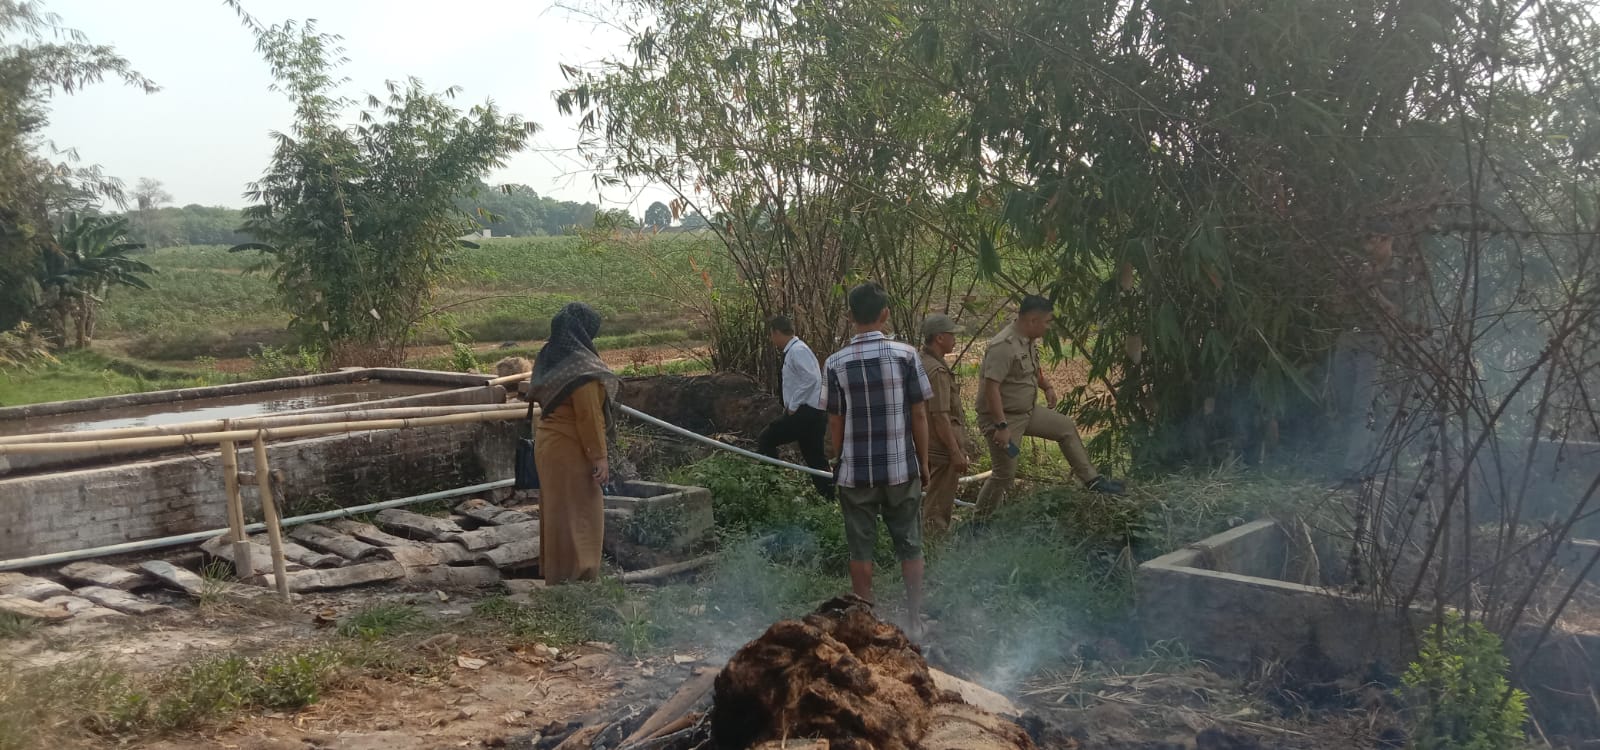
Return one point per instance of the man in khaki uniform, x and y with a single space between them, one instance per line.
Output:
950 452
1007 409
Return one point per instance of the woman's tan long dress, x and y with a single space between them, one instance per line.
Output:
571 507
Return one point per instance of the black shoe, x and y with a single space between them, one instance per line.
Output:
1104 485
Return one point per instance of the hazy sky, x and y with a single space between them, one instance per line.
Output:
205 134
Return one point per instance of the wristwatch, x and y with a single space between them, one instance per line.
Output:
1001 425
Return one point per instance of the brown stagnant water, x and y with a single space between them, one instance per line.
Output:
219 407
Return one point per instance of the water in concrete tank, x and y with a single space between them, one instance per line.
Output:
220 407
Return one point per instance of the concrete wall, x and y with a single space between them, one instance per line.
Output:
1221 599
146 499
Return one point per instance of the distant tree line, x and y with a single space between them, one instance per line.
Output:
507 211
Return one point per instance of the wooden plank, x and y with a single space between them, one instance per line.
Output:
81 609
485 512
438 553
513 555
490 537
174 576
327 540
415 525
29 587
668 570
349 575
370 534
685 700
976 695
89 573
453 577
32 610
120 601
260 556
299 556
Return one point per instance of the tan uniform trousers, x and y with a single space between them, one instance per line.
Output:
1042 422
939 500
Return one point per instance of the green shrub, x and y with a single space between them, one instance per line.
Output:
273 362
381 621
1459 690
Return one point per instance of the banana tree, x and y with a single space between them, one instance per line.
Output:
90 257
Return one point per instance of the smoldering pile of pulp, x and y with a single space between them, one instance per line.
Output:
842 675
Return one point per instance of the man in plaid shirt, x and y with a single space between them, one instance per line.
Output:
876 399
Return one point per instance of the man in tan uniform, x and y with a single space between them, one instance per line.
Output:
1007 409
950 452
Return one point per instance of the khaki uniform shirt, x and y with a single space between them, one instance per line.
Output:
1013 361
946 402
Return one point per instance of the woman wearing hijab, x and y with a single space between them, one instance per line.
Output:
574 390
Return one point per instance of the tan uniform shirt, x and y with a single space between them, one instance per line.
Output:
946 401
1013 361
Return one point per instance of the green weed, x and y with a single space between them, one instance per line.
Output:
559 615
380 621
16 627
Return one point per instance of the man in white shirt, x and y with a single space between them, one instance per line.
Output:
804 421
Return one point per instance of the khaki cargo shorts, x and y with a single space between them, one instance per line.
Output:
900 506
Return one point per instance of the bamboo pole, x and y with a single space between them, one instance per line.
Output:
295 431
269 515
222 425
243 562
512 378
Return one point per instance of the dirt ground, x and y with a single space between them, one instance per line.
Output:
496 691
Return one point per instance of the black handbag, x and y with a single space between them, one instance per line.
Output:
527 469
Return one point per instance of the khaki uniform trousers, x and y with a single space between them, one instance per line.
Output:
1042 422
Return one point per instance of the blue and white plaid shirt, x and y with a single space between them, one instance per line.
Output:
873 383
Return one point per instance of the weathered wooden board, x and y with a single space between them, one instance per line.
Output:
338 578
260 554
513 555
415 525
32 610
81 609
370 534
311 558
29 587
975 694
490 537
120 601
438 553
453 577
485 512
176 577
90 573
334 542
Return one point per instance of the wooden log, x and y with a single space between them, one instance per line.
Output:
689 697
80 608
453 577
99 574
269 516
327 540
513 555
793 745
29 587
299 557
349 575
415 525
120 601
490 537
485 512
668 570
174 576
976 695
370 534
437 553
258 556
32 610
243 559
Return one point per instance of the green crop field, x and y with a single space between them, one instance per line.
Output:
208 302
